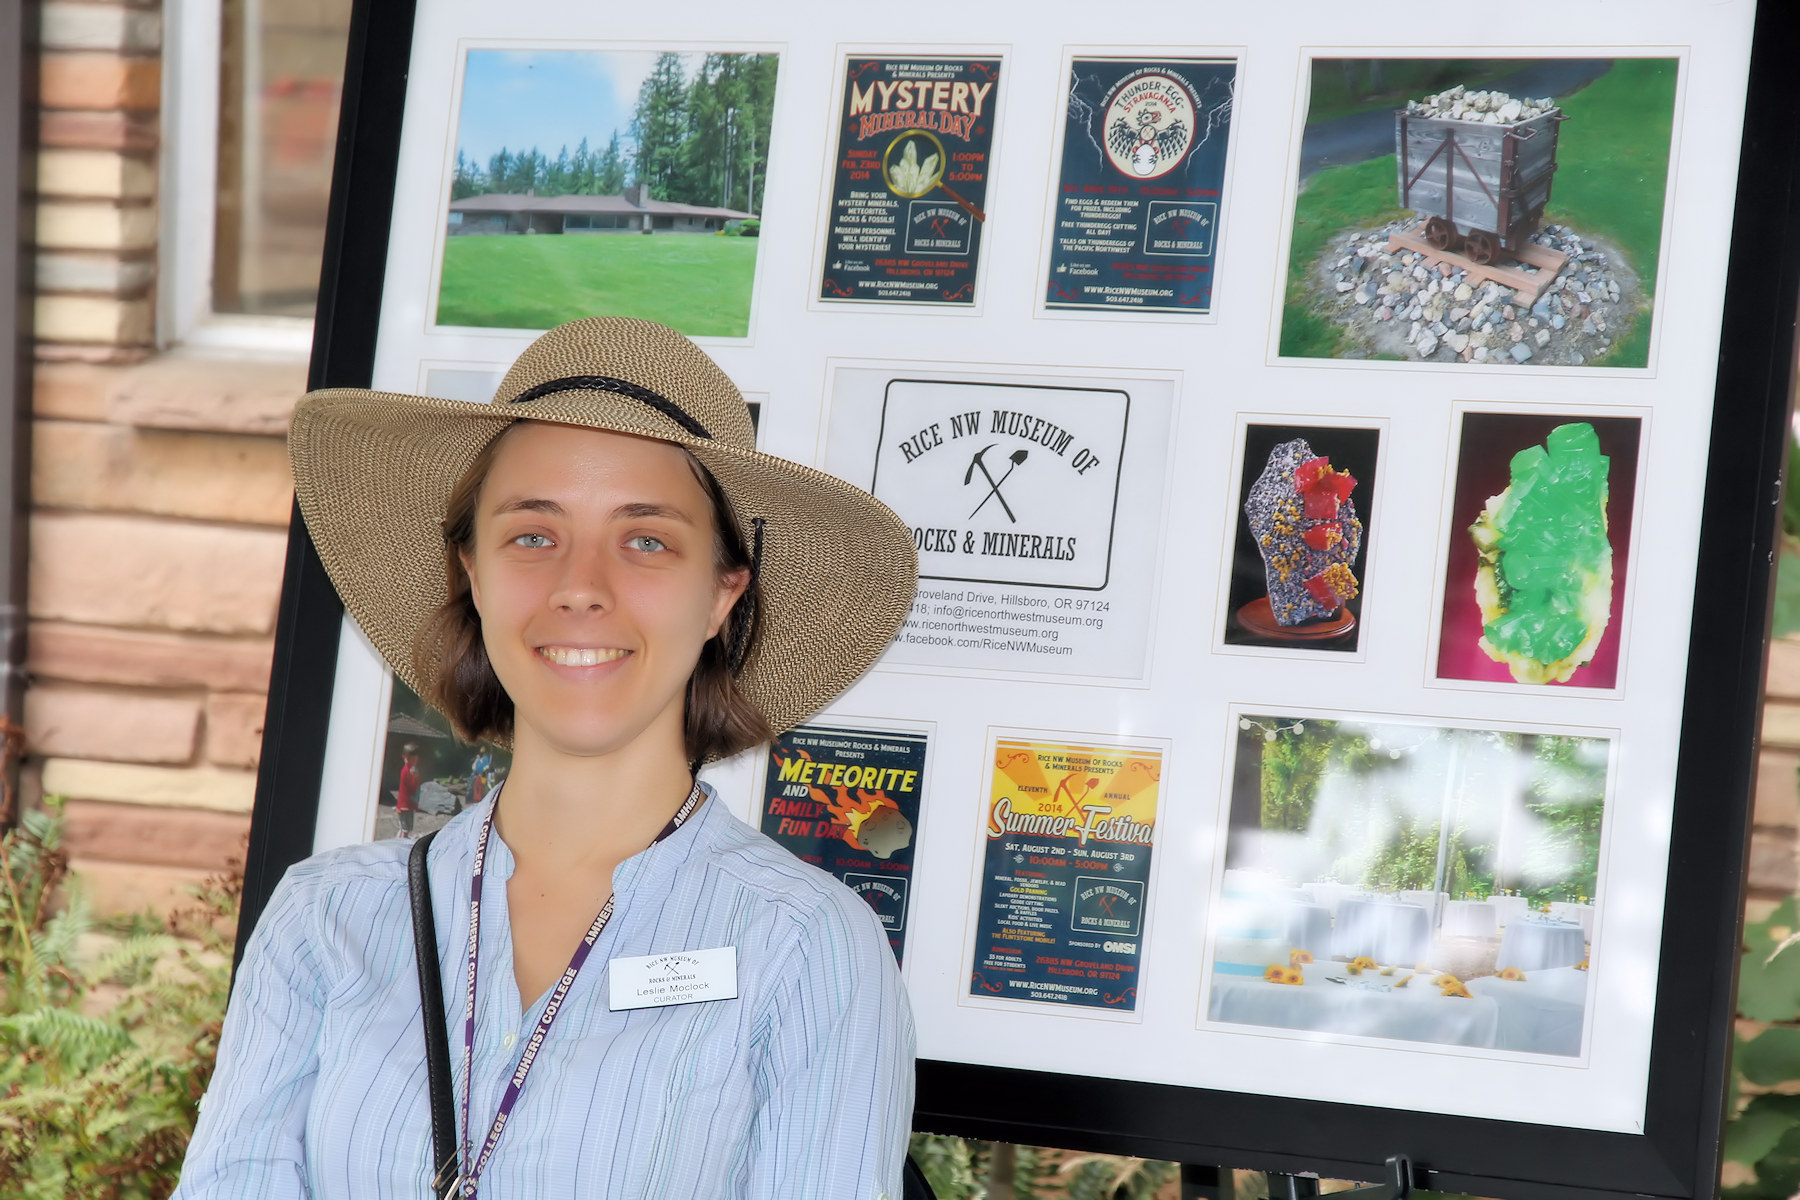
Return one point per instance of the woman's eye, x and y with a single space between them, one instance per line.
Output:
646 543
531 541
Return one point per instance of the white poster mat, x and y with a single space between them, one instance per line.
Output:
1184 692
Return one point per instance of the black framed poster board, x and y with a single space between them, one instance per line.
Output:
1344 476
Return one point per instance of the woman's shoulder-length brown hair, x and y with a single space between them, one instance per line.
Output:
719 719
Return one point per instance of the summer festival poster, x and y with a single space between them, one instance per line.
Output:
1036 509
1141 185
1068 835
909 183
847 801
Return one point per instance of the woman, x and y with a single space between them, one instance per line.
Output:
601 569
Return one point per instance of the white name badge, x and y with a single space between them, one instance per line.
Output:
681 977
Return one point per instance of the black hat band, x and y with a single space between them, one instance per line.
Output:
622 387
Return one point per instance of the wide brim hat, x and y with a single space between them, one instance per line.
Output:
836 568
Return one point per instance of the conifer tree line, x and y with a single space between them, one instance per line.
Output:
703 142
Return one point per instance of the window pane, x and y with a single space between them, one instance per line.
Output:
281 75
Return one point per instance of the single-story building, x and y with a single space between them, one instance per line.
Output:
633 212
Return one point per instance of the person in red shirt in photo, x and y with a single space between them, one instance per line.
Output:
406 800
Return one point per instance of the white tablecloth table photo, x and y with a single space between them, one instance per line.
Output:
1470 918
1508 909
1399 934
1575 914
1333 894
1431 902
1533 945
1540 1014
1309 928
1365 1006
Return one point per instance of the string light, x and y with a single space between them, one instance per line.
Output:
1298 728
1269 732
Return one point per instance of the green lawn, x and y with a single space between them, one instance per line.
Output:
1354 196
1612 174
1612 160
696 283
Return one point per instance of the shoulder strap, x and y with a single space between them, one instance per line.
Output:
437 1041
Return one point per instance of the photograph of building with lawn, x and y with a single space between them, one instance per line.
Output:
1409 881
1504 212
607 183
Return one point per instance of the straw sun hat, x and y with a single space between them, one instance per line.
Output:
835 567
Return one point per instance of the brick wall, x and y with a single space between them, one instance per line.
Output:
160 502
160 494
100 89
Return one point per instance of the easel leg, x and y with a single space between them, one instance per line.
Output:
1293 1187
1206 1183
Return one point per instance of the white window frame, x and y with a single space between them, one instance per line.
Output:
187 219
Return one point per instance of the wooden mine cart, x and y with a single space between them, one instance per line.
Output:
1483 186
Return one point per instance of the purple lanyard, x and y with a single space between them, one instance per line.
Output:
472 1166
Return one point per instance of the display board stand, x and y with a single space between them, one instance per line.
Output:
1163 384
1397 1186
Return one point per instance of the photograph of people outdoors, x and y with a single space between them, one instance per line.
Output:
607 183
1400 880
428 774
1524 226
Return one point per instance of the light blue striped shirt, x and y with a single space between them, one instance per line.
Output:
800 1088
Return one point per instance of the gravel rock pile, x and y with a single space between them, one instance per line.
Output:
1400 305
1490 108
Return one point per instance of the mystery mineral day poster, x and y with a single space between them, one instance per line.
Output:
1065 878
847 801
909 183
1142 181
1036 509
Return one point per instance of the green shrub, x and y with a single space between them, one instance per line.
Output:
107 1035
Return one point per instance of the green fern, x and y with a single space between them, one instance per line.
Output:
67 1039
949 1166
98 1089
132 961
57 943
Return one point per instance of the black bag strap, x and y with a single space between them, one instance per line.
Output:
437 1040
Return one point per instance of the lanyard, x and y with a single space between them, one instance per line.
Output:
473 1166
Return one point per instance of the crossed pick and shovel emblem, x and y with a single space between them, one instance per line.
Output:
993 493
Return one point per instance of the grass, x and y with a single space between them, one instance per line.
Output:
1336 198
1612 175
1613 160
695 283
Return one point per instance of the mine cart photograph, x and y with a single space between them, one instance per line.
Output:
1506 212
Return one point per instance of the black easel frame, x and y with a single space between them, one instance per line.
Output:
1677 1155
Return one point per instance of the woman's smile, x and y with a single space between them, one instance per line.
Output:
579 656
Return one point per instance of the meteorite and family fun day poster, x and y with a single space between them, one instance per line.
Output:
847 801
